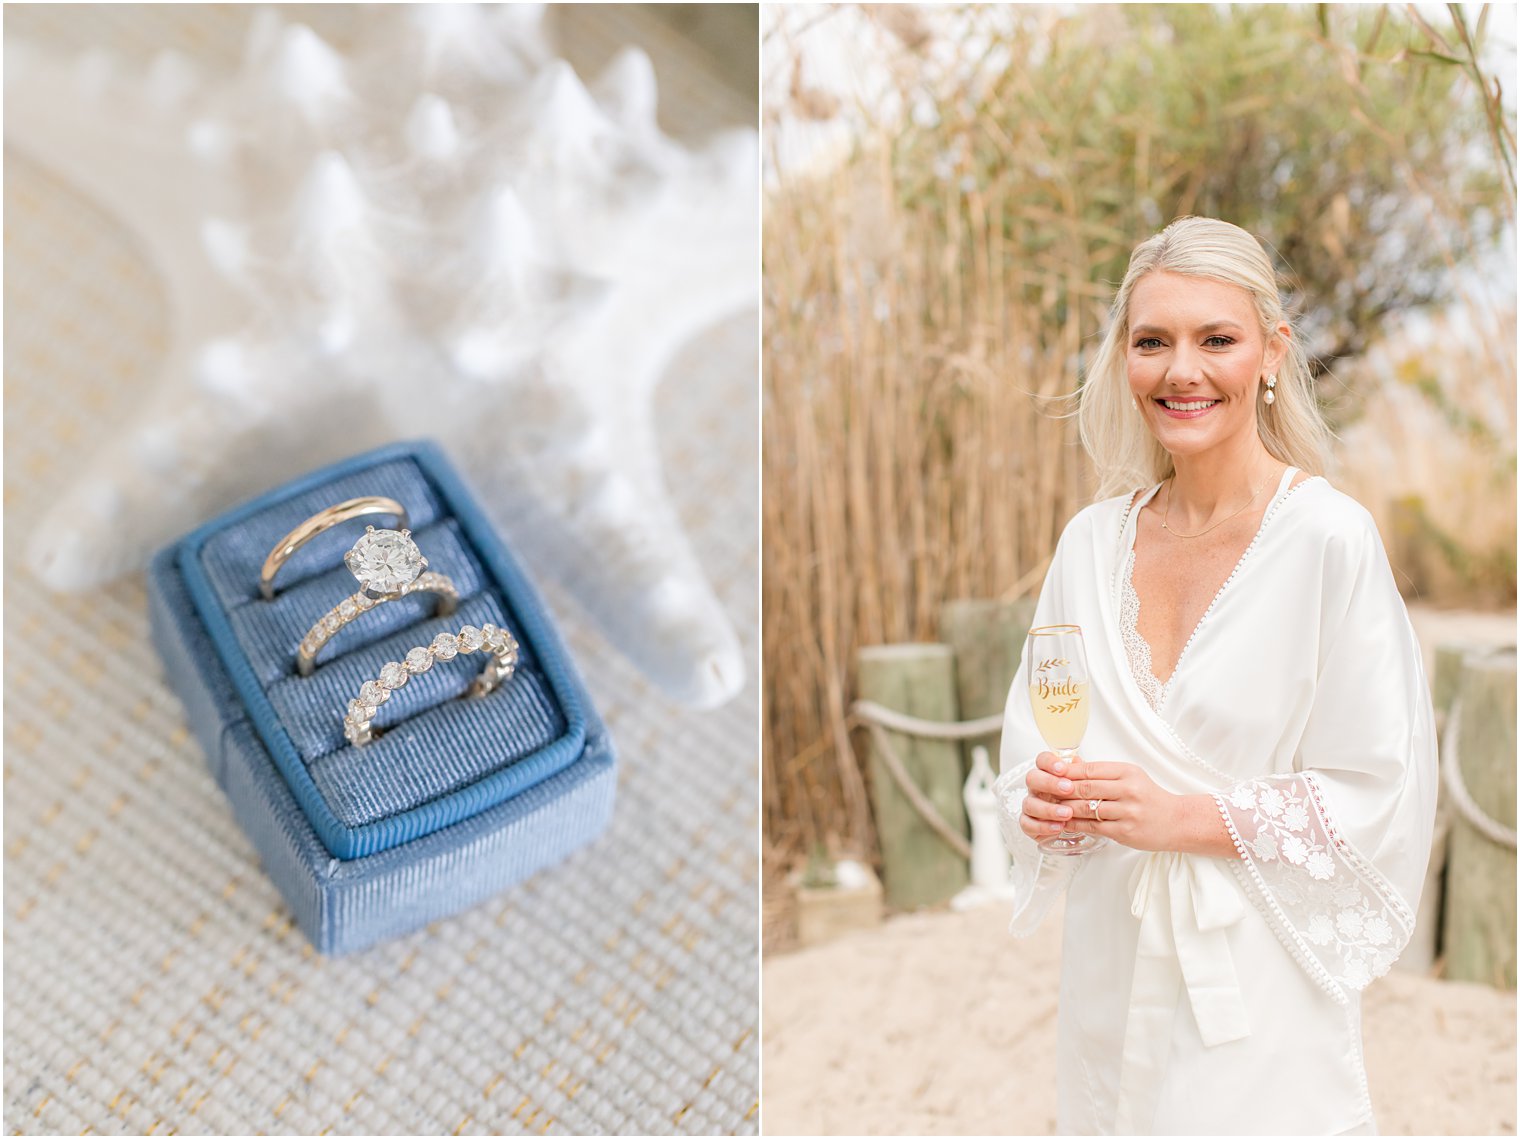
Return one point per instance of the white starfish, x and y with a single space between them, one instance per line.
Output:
444 233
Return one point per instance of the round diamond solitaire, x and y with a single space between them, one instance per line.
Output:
388 566
385 561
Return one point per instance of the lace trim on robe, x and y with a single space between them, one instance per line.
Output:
1338 916
1037 880
1136 648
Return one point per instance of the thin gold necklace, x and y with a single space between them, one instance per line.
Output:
1168 513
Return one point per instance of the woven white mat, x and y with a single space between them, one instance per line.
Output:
153 980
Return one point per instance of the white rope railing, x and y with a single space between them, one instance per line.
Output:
878 719
875 713
1451 776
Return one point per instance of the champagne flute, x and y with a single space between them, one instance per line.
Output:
1059 696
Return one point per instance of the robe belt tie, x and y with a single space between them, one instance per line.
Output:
1185 905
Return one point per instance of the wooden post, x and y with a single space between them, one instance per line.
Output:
1425 943
987 637
1479 927
1448 674
918 867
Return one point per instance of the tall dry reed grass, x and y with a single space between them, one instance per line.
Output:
927 307
916 447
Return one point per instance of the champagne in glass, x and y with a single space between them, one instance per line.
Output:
1060 712
1059 696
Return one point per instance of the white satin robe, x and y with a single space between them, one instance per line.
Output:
1205 995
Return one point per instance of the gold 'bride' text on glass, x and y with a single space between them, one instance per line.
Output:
1060 698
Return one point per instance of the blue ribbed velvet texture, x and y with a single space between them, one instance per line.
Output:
440 752
390 792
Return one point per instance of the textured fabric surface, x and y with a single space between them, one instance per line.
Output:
153 978
351 904
432 743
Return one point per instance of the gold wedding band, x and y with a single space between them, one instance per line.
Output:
1092 805
318 523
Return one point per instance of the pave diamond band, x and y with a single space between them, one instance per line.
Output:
503 649
318 523
351 607
388 564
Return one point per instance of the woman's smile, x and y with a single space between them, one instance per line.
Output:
1186 408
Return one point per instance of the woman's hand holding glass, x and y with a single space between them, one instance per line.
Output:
1132 809
1049 806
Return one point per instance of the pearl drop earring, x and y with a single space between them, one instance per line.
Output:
1271 395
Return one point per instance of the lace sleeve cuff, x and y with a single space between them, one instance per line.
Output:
1037 880
1341 919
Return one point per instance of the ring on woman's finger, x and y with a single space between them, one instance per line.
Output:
1092 805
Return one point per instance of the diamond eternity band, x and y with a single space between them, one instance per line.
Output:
445 646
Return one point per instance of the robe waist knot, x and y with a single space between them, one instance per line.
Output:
1185 905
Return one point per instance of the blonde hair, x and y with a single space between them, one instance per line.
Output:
1121 447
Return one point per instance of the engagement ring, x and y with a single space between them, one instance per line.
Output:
388 565
318 523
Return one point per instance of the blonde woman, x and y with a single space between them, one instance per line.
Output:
1260 753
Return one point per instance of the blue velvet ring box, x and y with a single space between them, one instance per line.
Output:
458 798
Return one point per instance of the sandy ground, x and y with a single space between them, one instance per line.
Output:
940 1023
